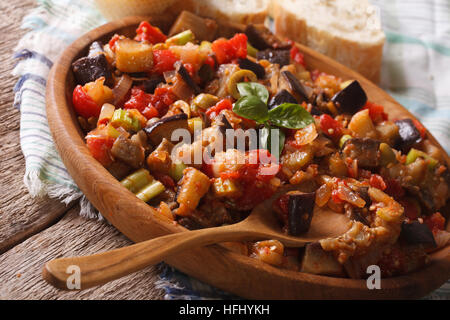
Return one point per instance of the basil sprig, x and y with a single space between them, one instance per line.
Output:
253 105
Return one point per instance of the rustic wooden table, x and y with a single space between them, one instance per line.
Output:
35 230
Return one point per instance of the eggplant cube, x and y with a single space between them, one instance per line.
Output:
408 134
351 99
281 97
298 89
281 57
89 69
417 233
300 212
164 128
252 66
318 261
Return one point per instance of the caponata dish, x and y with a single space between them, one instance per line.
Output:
204 130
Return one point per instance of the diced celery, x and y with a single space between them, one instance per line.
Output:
225 188
122 118
343 139
176 171
137 180
181 38
251 51
387 155
112 132
150 191
413 154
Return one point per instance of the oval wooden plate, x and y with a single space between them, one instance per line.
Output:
238 274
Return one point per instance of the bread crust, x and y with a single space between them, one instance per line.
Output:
363 58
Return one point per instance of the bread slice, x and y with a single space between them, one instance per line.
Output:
116 9
238 11
348 31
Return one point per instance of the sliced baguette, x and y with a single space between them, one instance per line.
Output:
237 11
116 9
348 31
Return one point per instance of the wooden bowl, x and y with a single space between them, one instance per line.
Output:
232 272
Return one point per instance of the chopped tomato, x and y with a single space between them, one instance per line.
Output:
376 112
435 222
163 60
228 50
84 105
162 99
422 130
147 32
297 56
224 104
166 180
150 112
100 147
377 181
112 42
330 126
139 100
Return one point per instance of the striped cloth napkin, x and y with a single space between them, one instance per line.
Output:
416 57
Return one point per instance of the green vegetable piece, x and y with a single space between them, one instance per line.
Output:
150 191
204 101
251 51
137 180
253 89
290 115
344 138
177 169
413 154
251 107
181 38
387 155
121 118
205 46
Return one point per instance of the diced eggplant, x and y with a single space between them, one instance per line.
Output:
165 127
302 92
357 214
151 83
300 212
90 68
252 66
318 261
364 150
203 28
351 99
281 97
188 79
280 57
160 160
128 152
408 134
223 123
417 233
262 38
206 74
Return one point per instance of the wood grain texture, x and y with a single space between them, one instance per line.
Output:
226 270
259 225
20 215
20 267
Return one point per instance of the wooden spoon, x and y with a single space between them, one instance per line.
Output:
103 267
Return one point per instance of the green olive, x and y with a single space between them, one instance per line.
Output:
203 101
237 77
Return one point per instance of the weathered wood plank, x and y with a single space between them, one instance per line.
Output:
20 215
20 267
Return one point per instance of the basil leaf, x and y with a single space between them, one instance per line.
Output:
290 115
267 137
251 107
253 89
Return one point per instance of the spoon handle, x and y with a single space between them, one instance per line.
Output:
103 267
